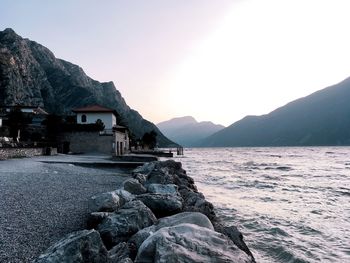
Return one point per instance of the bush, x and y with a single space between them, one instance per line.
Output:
74 127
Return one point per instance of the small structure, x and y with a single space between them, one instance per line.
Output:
114 139
24 109
27 120
94 113
121 138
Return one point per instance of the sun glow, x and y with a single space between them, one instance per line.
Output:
263 55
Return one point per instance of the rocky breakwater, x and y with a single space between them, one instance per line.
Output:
158 216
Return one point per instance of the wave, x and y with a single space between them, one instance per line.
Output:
290 209
281 168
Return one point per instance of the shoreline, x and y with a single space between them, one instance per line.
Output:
159 194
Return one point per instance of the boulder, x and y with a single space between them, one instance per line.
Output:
124 196
189 243
195 218
140 177
105 202
162 204
185 181
203 206
195 201
170 189
160 176
82 246
119 253
145 169
126 260
172 166
128 220
133 186
170 172
237 237
96 218
190 197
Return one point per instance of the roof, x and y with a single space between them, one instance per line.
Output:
18 106
94 108
40 111
36 109
118 127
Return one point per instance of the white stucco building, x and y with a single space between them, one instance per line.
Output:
114 139
91 114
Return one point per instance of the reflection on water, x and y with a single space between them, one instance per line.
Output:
292 204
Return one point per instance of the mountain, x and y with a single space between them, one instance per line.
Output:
186 131
30 74
320 119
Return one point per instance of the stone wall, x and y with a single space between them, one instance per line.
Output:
8 153
84 142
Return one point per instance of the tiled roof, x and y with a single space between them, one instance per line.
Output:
93 108
119 128
40 111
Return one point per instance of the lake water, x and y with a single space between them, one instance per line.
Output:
291 203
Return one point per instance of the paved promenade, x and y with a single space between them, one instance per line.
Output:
41 202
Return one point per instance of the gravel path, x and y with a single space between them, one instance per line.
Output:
42 202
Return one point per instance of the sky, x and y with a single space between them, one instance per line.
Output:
216 60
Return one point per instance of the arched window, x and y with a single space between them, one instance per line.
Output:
83 118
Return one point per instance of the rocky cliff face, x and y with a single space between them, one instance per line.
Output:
30 74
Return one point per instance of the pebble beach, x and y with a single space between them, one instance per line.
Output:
41 202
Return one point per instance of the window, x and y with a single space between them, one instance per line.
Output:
83 118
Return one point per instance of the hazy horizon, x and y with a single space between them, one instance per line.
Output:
214 61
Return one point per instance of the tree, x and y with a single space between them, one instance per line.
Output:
149 140
17 122
100 124
54 125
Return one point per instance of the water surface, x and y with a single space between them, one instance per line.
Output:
292 204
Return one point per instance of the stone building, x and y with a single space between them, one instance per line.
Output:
114 139
121 138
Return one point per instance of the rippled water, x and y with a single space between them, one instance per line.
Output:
292 204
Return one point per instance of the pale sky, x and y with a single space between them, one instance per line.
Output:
216 60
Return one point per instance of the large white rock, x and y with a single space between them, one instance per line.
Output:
82 246
189 243
195 218
105 202
124 196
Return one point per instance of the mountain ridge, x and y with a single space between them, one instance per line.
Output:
318 119
30 74
187 131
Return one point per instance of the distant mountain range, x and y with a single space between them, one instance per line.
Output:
186 131
320 119
31 75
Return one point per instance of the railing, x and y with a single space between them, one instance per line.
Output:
106 132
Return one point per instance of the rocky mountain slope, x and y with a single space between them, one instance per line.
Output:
30 74
322 118
186 131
